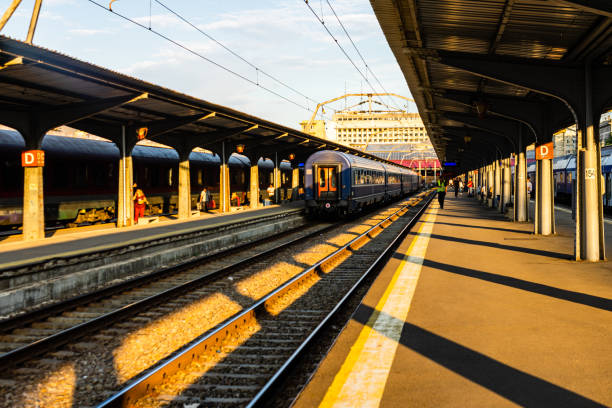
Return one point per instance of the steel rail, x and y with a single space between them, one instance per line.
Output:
50 310
280 376
187 353
153 240
55 340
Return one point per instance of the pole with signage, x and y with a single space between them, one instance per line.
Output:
33 162
544 211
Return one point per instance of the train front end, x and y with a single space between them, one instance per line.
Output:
327 183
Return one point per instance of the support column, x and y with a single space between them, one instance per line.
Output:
224 181
490 183
254 183
277 179
590 242
497 183
33 204
521 200
184 186
480 182
505 185
295 183
125 204
544 211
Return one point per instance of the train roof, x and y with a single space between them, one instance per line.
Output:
62 146
355 161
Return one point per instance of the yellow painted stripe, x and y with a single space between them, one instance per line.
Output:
362 378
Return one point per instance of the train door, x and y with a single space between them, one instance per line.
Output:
327 182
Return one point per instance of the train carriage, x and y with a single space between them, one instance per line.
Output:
340 183
80 178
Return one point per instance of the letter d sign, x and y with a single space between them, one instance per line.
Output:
33 158
544 151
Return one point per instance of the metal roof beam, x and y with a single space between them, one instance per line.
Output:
454 133
591 40
163 126
534 114
565 82
223 135
33 125
601 7
500 127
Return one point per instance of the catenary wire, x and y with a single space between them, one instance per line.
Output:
259 70
202 56
358 52
339 45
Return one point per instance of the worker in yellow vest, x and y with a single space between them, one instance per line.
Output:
441 191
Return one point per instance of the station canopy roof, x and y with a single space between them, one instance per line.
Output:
485 72
43 89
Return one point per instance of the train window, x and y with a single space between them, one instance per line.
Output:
334 177
321 177
81 175
147 177
156 176
170 177
99 176
12 177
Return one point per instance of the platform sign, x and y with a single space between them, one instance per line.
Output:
33 158
544 151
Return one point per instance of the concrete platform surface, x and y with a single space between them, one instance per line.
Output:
475 311
16 254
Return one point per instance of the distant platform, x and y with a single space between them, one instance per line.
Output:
476 311
78 241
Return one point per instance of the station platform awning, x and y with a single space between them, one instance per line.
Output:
486 73
43 89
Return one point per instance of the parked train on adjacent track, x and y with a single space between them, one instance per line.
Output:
564 175
337 183
81 184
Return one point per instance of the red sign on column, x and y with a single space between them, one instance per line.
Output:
544 151
33 158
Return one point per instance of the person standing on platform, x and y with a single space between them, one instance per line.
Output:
271 193
470 186
441 191
140 201
204 202
456 186
529 187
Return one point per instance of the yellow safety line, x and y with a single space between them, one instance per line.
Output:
357 354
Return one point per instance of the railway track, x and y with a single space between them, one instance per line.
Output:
26 336
115 337
243 360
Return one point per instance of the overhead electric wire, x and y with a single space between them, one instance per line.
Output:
201 56
358 52
259 70
339 45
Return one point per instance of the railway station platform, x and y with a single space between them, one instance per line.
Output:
106 236
474 310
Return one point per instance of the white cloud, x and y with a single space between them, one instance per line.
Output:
88 31
159 21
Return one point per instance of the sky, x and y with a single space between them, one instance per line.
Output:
281 38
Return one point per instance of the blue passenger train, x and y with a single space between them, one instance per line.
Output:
80 178
564 175
339 183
